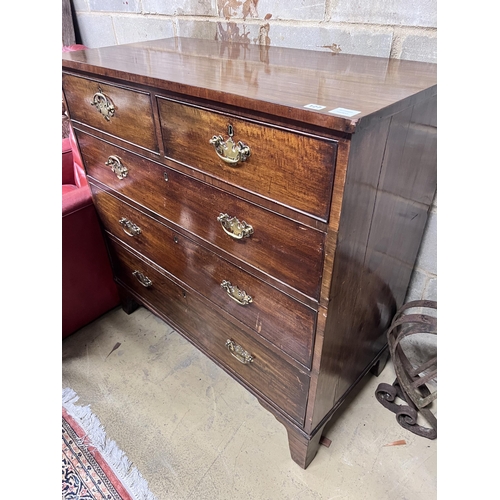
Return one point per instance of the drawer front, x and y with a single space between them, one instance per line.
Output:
269 374
280 247
291 168
283 321
120 112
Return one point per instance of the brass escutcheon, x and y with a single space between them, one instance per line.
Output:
129 227
234 228
239 296
103 104
117 167
238 352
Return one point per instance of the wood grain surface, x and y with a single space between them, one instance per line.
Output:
294 169
278 245
282 86
270 375
283 321
133 116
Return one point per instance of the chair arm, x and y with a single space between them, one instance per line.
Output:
75 200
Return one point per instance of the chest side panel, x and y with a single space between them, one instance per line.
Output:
389 187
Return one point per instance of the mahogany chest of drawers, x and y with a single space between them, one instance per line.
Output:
267 203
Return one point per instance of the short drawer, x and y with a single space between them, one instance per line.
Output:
291 168
283 321
266 373
121 112
283 248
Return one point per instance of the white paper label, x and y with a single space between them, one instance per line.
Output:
344 112
317 107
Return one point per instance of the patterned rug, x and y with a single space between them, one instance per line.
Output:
93 467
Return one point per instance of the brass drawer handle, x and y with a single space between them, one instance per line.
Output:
234 228
238 352
142 279
117 167
228 151
103 104
129 227
236 294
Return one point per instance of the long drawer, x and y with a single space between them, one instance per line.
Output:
283 248
285 322
261 369
118 111
289 167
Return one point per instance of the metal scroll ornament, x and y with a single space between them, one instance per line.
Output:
117 167
234 228
239 296
238 352
103 104
416 379
229 151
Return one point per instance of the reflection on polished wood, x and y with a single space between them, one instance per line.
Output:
291 79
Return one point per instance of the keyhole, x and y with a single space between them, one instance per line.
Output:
176 240
230 130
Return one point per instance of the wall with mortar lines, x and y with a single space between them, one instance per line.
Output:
399 29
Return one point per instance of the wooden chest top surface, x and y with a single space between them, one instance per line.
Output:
275 80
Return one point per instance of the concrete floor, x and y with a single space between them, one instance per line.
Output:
194 433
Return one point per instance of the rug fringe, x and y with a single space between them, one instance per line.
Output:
115 457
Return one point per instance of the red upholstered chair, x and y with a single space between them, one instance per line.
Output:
88 288
71 48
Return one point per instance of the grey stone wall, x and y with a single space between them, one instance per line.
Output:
386 28
399 29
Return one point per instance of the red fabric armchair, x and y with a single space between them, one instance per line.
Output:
88 288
